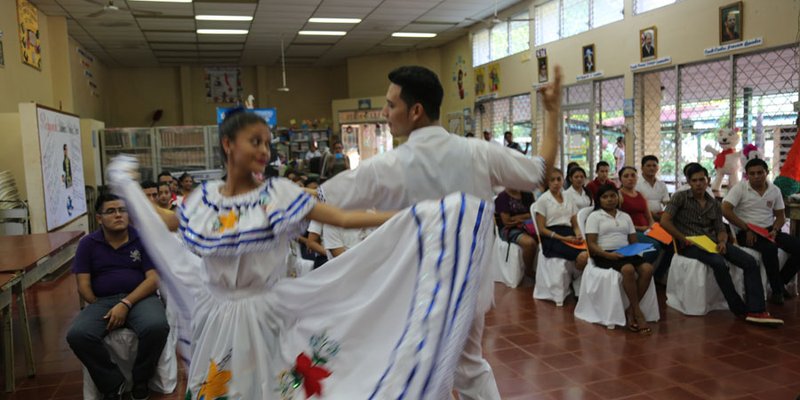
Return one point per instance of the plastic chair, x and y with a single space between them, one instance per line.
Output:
556 278
509 267
123 344
602 299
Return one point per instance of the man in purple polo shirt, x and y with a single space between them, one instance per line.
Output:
117 280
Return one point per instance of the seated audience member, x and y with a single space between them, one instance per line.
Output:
150 190
687 186
607 230
577 192
166 177
557 224
314 243
117 280
187 185
695 212
312 183
635 205
165 197
509 139
514 208
337 161
337 240
601 170
653 189
760 203
570 166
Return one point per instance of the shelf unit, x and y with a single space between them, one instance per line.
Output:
300 141
173 148
137 142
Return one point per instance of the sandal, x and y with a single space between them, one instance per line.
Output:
632 325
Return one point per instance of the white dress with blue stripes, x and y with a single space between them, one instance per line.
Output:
386 319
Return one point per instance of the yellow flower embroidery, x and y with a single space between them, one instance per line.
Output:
216 384
227 221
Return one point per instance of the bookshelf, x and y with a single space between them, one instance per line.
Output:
301 141
137 142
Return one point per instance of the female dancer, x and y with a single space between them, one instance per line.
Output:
383 320
609 229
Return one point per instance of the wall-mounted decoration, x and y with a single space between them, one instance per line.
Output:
588 57
28 20
541 63
223 85
494 78
62 167
459 75
731 23
2 58
480 81
647 44
364 104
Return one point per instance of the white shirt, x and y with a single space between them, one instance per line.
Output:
554 213
656 195
311 154
580 200
752 207
612 231
335 237
431 165
619 156
687 186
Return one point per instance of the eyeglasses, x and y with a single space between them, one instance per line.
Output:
112 211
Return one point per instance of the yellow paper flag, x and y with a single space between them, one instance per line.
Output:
703 242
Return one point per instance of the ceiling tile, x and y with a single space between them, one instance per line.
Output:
183 24
171 36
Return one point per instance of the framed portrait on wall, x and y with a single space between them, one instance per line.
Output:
542 69
647 44
588 56
731 23
29 45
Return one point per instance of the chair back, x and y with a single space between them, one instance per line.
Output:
583 215
536 224
14 221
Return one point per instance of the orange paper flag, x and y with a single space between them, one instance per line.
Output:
581 246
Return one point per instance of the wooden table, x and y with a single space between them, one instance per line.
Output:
24 260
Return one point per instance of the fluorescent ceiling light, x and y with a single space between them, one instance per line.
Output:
413 34
322 33
166 1
334 20
222 31
223 18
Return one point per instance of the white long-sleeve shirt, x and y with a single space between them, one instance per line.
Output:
430 165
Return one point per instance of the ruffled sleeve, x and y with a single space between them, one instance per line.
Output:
211 224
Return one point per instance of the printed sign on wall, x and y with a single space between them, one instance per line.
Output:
62 167
28 19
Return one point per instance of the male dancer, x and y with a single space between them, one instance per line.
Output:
434 163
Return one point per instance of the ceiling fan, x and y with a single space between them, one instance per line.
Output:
494 19
110 8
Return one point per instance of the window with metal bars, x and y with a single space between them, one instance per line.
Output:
558 19
679 110
507 114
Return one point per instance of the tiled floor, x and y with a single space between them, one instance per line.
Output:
538 351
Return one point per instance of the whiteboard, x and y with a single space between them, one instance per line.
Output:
62 167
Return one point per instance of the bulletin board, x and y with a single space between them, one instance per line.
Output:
62 166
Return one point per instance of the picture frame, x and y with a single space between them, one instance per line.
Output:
588 57
648 44
731 23
542 69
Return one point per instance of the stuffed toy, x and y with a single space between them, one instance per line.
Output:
726 161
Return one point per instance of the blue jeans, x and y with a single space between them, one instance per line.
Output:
147 318
754 291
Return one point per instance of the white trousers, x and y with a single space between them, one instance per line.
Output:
474 378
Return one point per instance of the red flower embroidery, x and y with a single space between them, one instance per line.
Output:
312 375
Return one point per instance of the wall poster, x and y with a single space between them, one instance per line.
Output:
223 85
28 19
62 167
